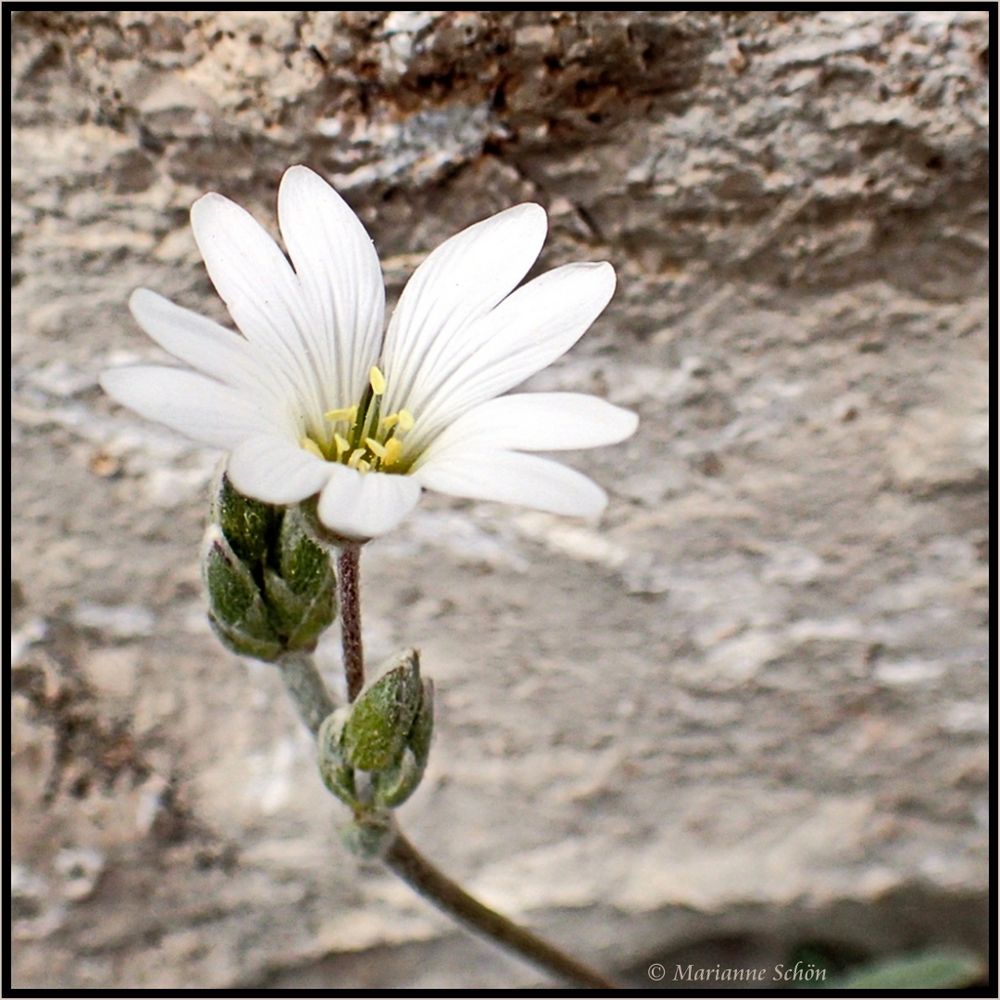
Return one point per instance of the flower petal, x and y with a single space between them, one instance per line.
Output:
340 277
361 505
199 341
274 469
511 477
458 283
521 336
538 421
263 296
193 404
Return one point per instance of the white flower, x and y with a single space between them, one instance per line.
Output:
314 399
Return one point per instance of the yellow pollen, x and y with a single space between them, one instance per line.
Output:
393 450
348 413
369 440
307 444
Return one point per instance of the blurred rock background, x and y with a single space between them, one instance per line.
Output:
744 716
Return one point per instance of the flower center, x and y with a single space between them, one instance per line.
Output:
363 438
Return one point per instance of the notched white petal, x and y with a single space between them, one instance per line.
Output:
525 333
263 296
275 470
514 478
539 421
198 341
458 283
362 505
188 402
340 276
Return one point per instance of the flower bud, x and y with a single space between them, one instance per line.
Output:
337 774
383 714
302 591
248 525
271 588
236 612
392 787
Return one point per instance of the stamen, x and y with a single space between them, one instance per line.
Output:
348 413
371 418
369 441
393 450
307 444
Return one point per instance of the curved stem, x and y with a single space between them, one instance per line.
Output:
349 591
313 700
309 692
414 869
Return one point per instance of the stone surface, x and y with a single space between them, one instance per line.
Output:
750 706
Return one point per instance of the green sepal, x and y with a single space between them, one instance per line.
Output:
236 608
307 574
272 588
392 787
337 774
317 616
244 644
383 714
304 566
285 605
422 733
249 525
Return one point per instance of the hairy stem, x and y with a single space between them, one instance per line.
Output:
414 869
314 703
349 589
311 696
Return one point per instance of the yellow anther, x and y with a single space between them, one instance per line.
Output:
364 466
375 447
356 457
341 444
348 413
403 419
377 380
307 444
393 450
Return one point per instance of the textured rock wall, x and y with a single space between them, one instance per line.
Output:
749 707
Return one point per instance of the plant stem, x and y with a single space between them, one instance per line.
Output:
349 590
311 696
414 869
314 703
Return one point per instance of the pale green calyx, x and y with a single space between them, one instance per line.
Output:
271 588
372 754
